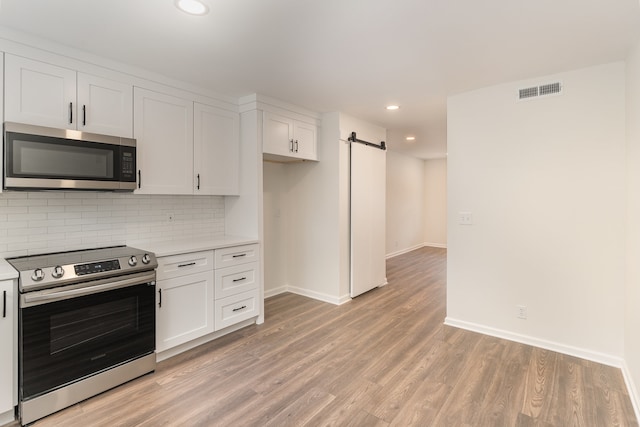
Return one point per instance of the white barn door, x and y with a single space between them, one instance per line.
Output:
368 216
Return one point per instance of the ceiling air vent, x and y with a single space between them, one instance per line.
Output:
542 90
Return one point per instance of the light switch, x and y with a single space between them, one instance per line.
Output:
465 218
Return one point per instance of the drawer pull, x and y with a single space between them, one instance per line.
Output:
240 308
239 255
186 265
240 279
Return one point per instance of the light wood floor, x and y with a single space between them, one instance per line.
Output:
384 358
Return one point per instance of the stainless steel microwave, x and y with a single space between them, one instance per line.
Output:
42 158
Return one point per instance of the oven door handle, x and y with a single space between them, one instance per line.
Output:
37 298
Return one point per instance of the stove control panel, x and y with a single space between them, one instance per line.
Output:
96 267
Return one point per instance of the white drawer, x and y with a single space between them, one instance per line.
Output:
236 308
183 264
237 279
236 255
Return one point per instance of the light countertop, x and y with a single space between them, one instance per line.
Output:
7 272
175 247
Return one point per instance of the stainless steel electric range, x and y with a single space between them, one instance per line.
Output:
86 324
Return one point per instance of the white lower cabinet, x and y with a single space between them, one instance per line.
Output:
8 366
185 297
237 285
202 292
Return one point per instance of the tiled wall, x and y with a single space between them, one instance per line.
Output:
39 222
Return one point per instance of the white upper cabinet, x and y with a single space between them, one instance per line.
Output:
47 95
288 139
105 106
216 149
164 132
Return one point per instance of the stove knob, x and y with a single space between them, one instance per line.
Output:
37 275
133 261
58 272
146 259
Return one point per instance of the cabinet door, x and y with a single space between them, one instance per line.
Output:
8 369
216 149
105 106
163 128
277 135
305 137
184 309
40 94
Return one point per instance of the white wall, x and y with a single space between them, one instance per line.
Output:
435 203
276 229
405 203
545 182
39 222
632 290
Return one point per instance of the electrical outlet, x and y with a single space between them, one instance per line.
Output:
521 312
465 218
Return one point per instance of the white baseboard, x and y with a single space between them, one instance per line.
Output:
404 251
316 295
307 293
435 245
631 388
275 291
594 356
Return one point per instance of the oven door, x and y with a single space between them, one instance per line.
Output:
70 333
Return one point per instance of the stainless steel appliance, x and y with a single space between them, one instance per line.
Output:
86 324
37 157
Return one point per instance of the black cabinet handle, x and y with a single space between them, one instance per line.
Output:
186 265
70 112
198 181
240 308
240 255
84 115
139 178
240 279
160 298
4 304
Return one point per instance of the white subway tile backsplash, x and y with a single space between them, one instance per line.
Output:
37 222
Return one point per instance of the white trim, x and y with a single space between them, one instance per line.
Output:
413 248
310 294
631 388
404 251
435 245
275 291
7 417
594 356
318 295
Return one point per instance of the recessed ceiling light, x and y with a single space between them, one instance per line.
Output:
392 107
193 7
411 138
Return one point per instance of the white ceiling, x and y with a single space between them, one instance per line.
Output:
353 56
